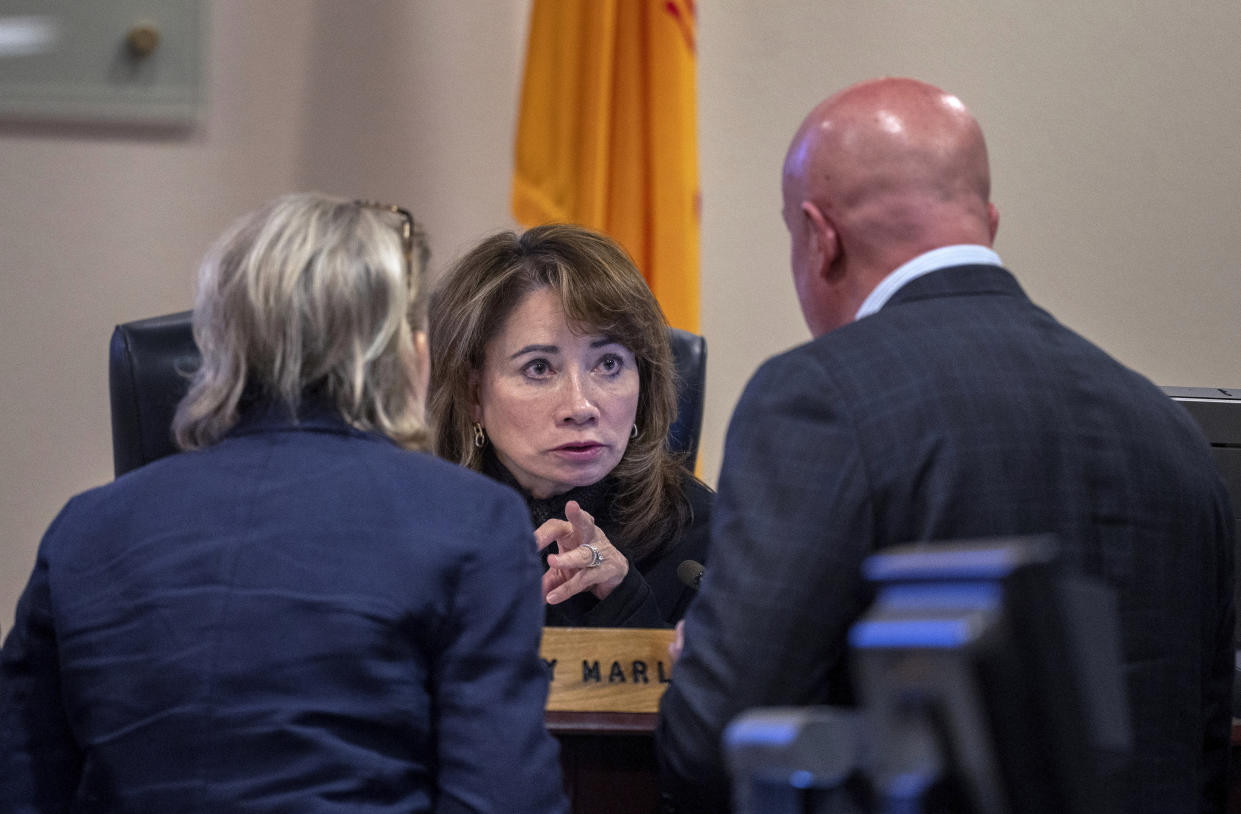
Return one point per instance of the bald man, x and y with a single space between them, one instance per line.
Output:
937 402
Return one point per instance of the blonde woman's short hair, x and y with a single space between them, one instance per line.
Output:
309 298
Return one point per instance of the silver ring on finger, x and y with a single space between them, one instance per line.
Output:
595 557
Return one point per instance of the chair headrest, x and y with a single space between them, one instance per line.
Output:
150 362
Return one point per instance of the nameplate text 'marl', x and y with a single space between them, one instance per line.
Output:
606 669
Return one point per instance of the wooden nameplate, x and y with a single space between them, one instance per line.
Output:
606 669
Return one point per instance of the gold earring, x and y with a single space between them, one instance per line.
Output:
480 438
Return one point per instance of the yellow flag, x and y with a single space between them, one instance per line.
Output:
607 136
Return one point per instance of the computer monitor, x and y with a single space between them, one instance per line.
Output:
990 679
1218 412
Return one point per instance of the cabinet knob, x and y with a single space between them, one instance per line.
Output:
142 39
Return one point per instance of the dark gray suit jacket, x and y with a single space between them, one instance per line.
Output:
959 410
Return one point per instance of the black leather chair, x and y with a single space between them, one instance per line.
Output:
151 360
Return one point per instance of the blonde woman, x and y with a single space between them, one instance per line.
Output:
306 612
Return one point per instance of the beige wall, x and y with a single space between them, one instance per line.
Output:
1112 136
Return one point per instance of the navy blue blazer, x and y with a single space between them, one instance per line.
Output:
959 410
300 618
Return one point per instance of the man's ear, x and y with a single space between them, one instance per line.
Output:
993 220
824 244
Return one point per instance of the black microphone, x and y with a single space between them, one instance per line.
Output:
690 573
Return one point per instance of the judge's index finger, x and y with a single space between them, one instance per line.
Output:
551 531
582 520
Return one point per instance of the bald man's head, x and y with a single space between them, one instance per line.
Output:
877 174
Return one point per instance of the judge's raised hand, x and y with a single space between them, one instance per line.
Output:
587 560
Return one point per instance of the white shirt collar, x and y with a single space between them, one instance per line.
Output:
965 254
